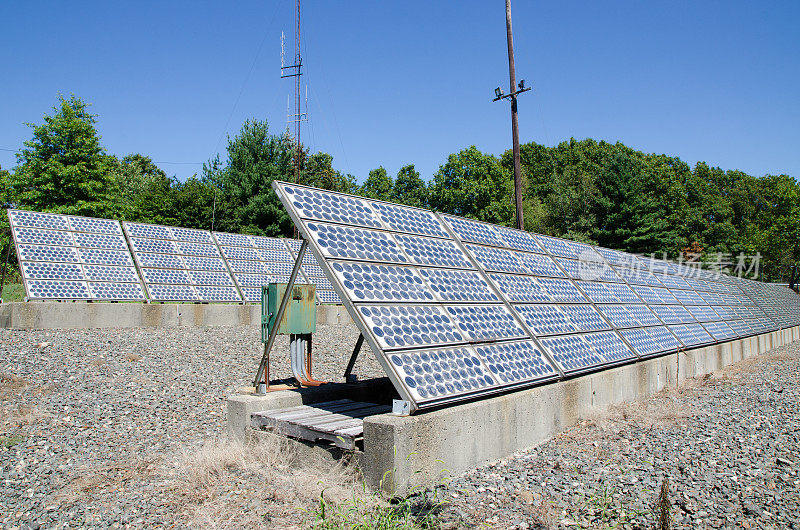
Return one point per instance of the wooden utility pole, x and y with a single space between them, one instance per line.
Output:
514 123
514 90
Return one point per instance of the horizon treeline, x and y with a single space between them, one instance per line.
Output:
586 190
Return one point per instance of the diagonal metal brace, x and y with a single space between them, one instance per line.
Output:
263 367
353 357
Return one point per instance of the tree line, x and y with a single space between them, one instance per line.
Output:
585 190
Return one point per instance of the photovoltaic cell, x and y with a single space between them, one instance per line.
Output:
496 259
458 286
584 317
518 240
546 319
673 314
474 232
609 346
365 282
487 322
412 220
691 334
539 264
410 326
435 252
521 288
515 362
354 243
331 207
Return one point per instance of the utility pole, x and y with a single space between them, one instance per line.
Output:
514 89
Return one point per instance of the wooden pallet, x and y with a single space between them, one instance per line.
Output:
340 421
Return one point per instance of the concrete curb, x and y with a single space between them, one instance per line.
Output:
403 452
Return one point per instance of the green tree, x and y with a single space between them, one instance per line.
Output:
409 188
63 168
379 185
319 173
136 178
247 203
473 184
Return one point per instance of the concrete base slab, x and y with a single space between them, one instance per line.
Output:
85 315
404 452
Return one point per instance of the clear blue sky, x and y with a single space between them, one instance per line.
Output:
392 83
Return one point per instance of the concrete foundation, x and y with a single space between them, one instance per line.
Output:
401 452
84 315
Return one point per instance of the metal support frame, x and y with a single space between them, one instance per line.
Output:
263 367
353 357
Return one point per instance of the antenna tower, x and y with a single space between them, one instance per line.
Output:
295 70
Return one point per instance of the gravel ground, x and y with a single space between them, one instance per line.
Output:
728 447
93 421
90 419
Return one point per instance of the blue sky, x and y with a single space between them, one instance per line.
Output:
392 83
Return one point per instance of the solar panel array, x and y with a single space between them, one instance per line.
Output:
455 308
81 258
66 257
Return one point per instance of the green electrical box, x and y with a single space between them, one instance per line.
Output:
300 316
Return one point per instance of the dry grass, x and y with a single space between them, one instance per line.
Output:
89 481
11 386
133 357
227 484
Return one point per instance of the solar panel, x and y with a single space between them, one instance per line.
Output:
180 264
455 308
67 257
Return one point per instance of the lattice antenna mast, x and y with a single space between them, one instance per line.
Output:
295 70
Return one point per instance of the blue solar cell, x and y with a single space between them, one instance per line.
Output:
38 220
455 285
328 297
515 362
673 282
94 225
105 273
58 289
197 249
518 240
599 293
179 293
313 270
322 284
711 298
266 254
202 263
191 235
640 276
210 278
252 294
664 339
721 331
326 206
703 313
474 231
283 268
588 270
687 297
153 245
217 293
116 291
725 312
437 374
584 317
619 259
673 314
643 315
691 334
165 276
101 256
110 241
404 219
381 283
496 259
51 271
521 288
642 341
240 253
437 252
408 326
353 243
159 261
270 243
488 322
619 316
45 253
36 236
145 230
546 319
608 345
561 290
572 353
539 264
234 240
257 280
